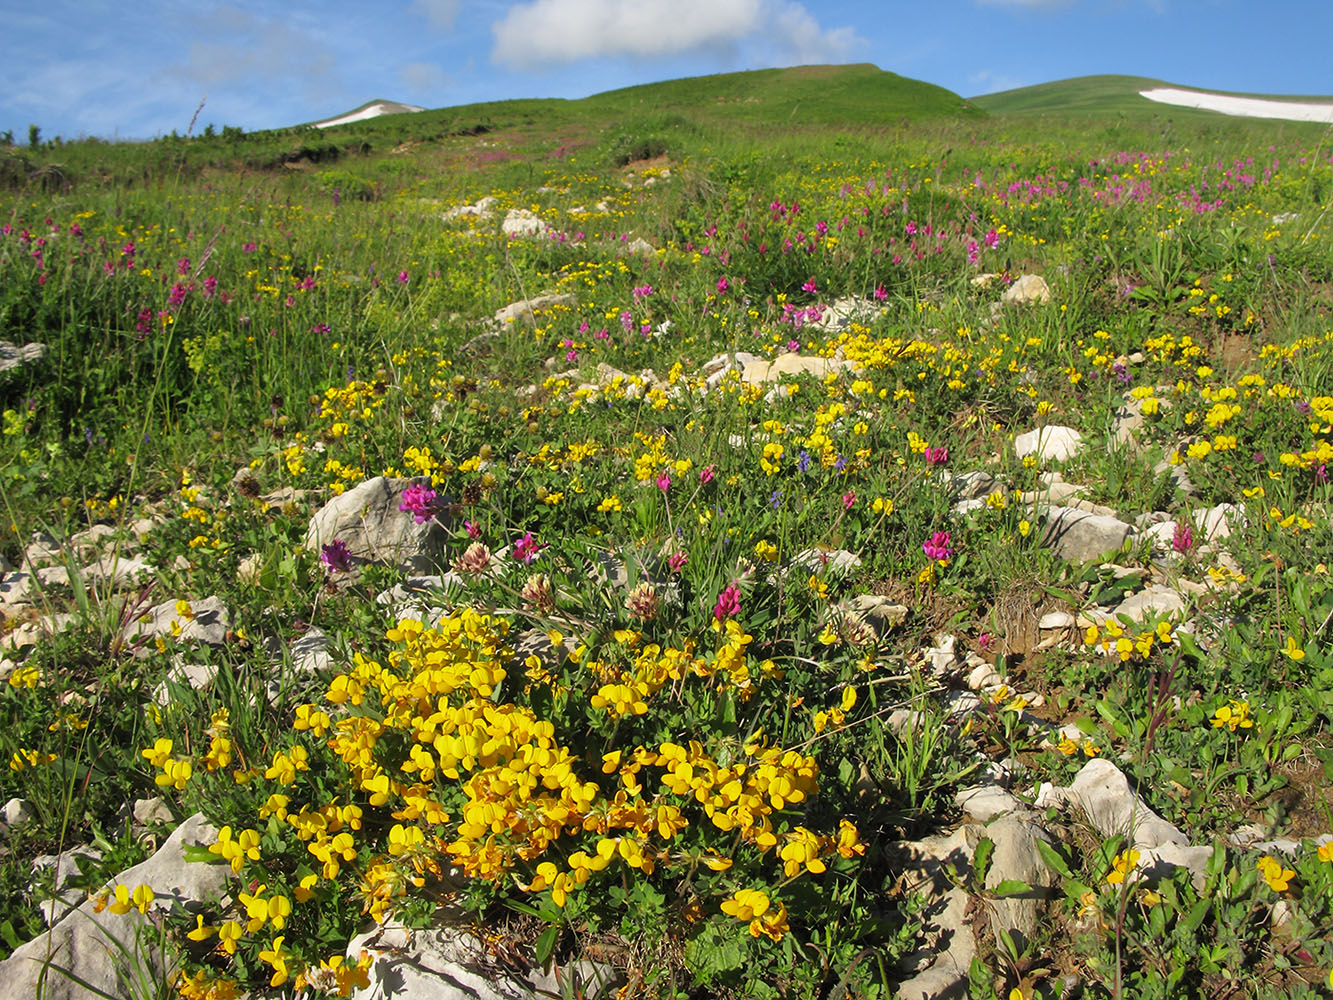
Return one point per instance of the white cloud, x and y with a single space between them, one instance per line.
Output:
989 82
440 13
423 78
547 32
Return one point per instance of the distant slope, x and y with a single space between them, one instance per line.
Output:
1105 95
859 94
854 95
371 109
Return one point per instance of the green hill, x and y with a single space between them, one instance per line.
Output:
1103 94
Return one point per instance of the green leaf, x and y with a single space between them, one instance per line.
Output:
1053 858
1011 887
981 858
546 943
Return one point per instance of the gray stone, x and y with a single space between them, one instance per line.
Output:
65 867
834 562
1055 620
117 571
1078 536
1153 600
18 812
940 967
985 802
13 357
195 676
1016 857
481 209
205 623
90 945
765 372
1102 791
974 485
525 310
148 812
29 634
1028 288
17 587
639 246
1216 523
450 963
307 655
879 613
1054 443
367 519
521 222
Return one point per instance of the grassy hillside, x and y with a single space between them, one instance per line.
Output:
1103 94
631 122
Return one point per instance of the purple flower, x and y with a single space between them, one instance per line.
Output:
526 548
939 547
1182 539
728 603
420 502
335 556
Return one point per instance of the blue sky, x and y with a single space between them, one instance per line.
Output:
136 70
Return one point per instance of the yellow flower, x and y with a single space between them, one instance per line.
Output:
1325 851
1024 528
1123 865
1234 716
1293 651
201 932
1277 877
228 934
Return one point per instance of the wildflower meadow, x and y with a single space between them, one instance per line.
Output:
671 563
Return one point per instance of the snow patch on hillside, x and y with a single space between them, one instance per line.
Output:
369 111
1246 107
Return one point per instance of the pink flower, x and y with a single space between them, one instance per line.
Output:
722 285
728 603
706 474
526 548
992 239
939 547
810 286
402 277
1182 539
663 481
183 265
880 293
937 456
793 345
848 499
677 561
335 556
420 502
249 247
473 529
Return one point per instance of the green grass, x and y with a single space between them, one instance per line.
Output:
1104 95
309 322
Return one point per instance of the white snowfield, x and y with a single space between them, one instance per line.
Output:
373 111
1245 107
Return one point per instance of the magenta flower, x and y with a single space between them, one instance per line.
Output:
402 277
249 247
677 561
728 603
335 556
936 456
880 293
526 548
722 285
939 547
663 481
706 474
1182 539
810 286
848 499
420 502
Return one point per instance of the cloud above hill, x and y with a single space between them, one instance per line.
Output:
545 33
